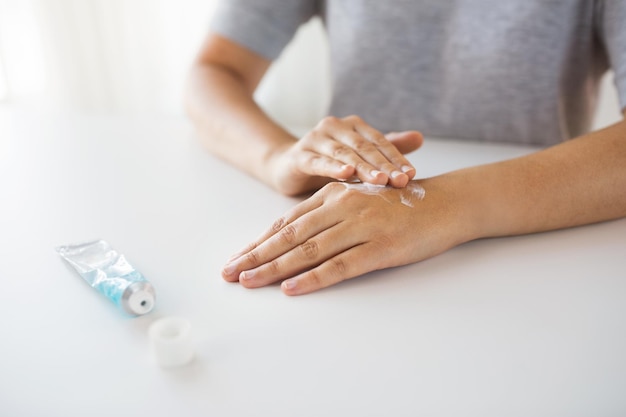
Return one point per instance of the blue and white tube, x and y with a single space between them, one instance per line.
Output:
110 273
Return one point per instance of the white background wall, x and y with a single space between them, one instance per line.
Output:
132 56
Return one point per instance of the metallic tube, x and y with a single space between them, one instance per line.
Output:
109 272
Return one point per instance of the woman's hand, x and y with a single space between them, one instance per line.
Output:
341 149
345 230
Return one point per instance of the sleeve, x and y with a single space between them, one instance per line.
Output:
614 37
263 26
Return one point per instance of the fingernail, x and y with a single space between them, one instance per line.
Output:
229 269
396 174
406 168
289 284
375 173
246 275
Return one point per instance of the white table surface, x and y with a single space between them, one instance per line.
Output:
524 326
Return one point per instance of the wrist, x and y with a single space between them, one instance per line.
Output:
459 205
276 163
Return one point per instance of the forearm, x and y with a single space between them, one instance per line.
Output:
578 182
229 123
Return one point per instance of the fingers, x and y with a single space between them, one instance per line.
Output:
311 235
342 146
388 157
308 254
324 166
337 146
406 142
338 233
295 247
290 230
315 257
346 265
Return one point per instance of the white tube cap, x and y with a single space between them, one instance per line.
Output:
171 341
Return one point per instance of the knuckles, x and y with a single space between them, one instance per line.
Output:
310 249
278 224
328 121
362 146
334 121
314 279
288 234
354 119
274 267
333 188
252 258
339 151
339 266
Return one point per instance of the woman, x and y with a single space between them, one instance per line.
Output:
518 71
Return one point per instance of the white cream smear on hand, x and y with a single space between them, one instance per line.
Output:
408 195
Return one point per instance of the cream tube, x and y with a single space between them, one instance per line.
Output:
107 271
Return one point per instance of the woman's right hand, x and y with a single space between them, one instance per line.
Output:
342 149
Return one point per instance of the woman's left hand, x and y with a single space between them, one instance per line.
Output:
346 230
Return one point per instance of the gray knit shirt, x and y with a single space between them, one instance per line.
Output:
522 71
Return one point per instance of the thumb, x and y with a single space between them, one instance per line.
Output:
406 141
